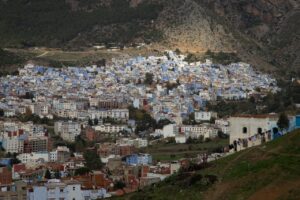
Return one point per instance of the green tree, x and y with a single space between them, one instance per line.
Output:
57 174
283 121
90 122
47 174
148 78
92 160
119 185
96 121
177 51
82 171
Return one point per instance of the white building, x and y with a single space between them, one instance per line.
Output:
67 190
109 128
169 130
68 130
13 145
246 126
181 139
118 114
205 116
34 157
138 142
204 131
59 154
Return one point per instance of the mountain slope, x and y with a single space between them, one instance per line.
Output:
264 33
270 171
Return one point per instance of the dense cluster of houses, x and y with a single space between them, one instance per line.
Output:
89 92
93 102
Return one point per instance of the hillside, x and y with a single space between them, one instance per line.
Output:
269 171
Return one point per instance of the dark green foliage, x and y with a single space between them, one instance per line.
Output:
283 121
8 59
162 122
52 23
111 120
227 108
171 86
90 122
148 78
190 120
222 57
191 58
96 121
144 121
82 171
47 174
194 140
36 119
57 174
217 57
222 135
119 185
92 160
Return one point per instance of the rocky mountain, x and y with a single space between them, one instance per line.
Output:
263 32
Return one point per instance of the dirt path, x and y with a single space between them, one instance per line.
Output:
43 54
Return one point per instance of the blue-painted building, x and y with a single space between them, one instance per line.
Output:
297 121
138 159
5 161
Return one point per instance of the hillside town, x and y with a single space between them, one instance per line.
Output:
83 133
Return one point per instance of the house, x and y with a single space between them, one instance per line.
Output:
257 128
16 169
68 130
169 130
138 159
67 189
13 144
197 131
9 113
181 139
205 116
60 154
34 158
5 176
15 191
36 144
109 128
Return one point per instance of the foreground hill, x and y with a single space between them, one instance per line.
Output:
270 171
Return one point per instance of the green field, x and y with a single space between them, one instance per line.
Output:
166 152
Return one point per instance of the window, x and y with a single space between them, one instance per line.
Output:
259 130
73 188
244 129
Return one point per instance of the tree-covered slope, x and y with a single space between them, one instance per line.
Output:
57 23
